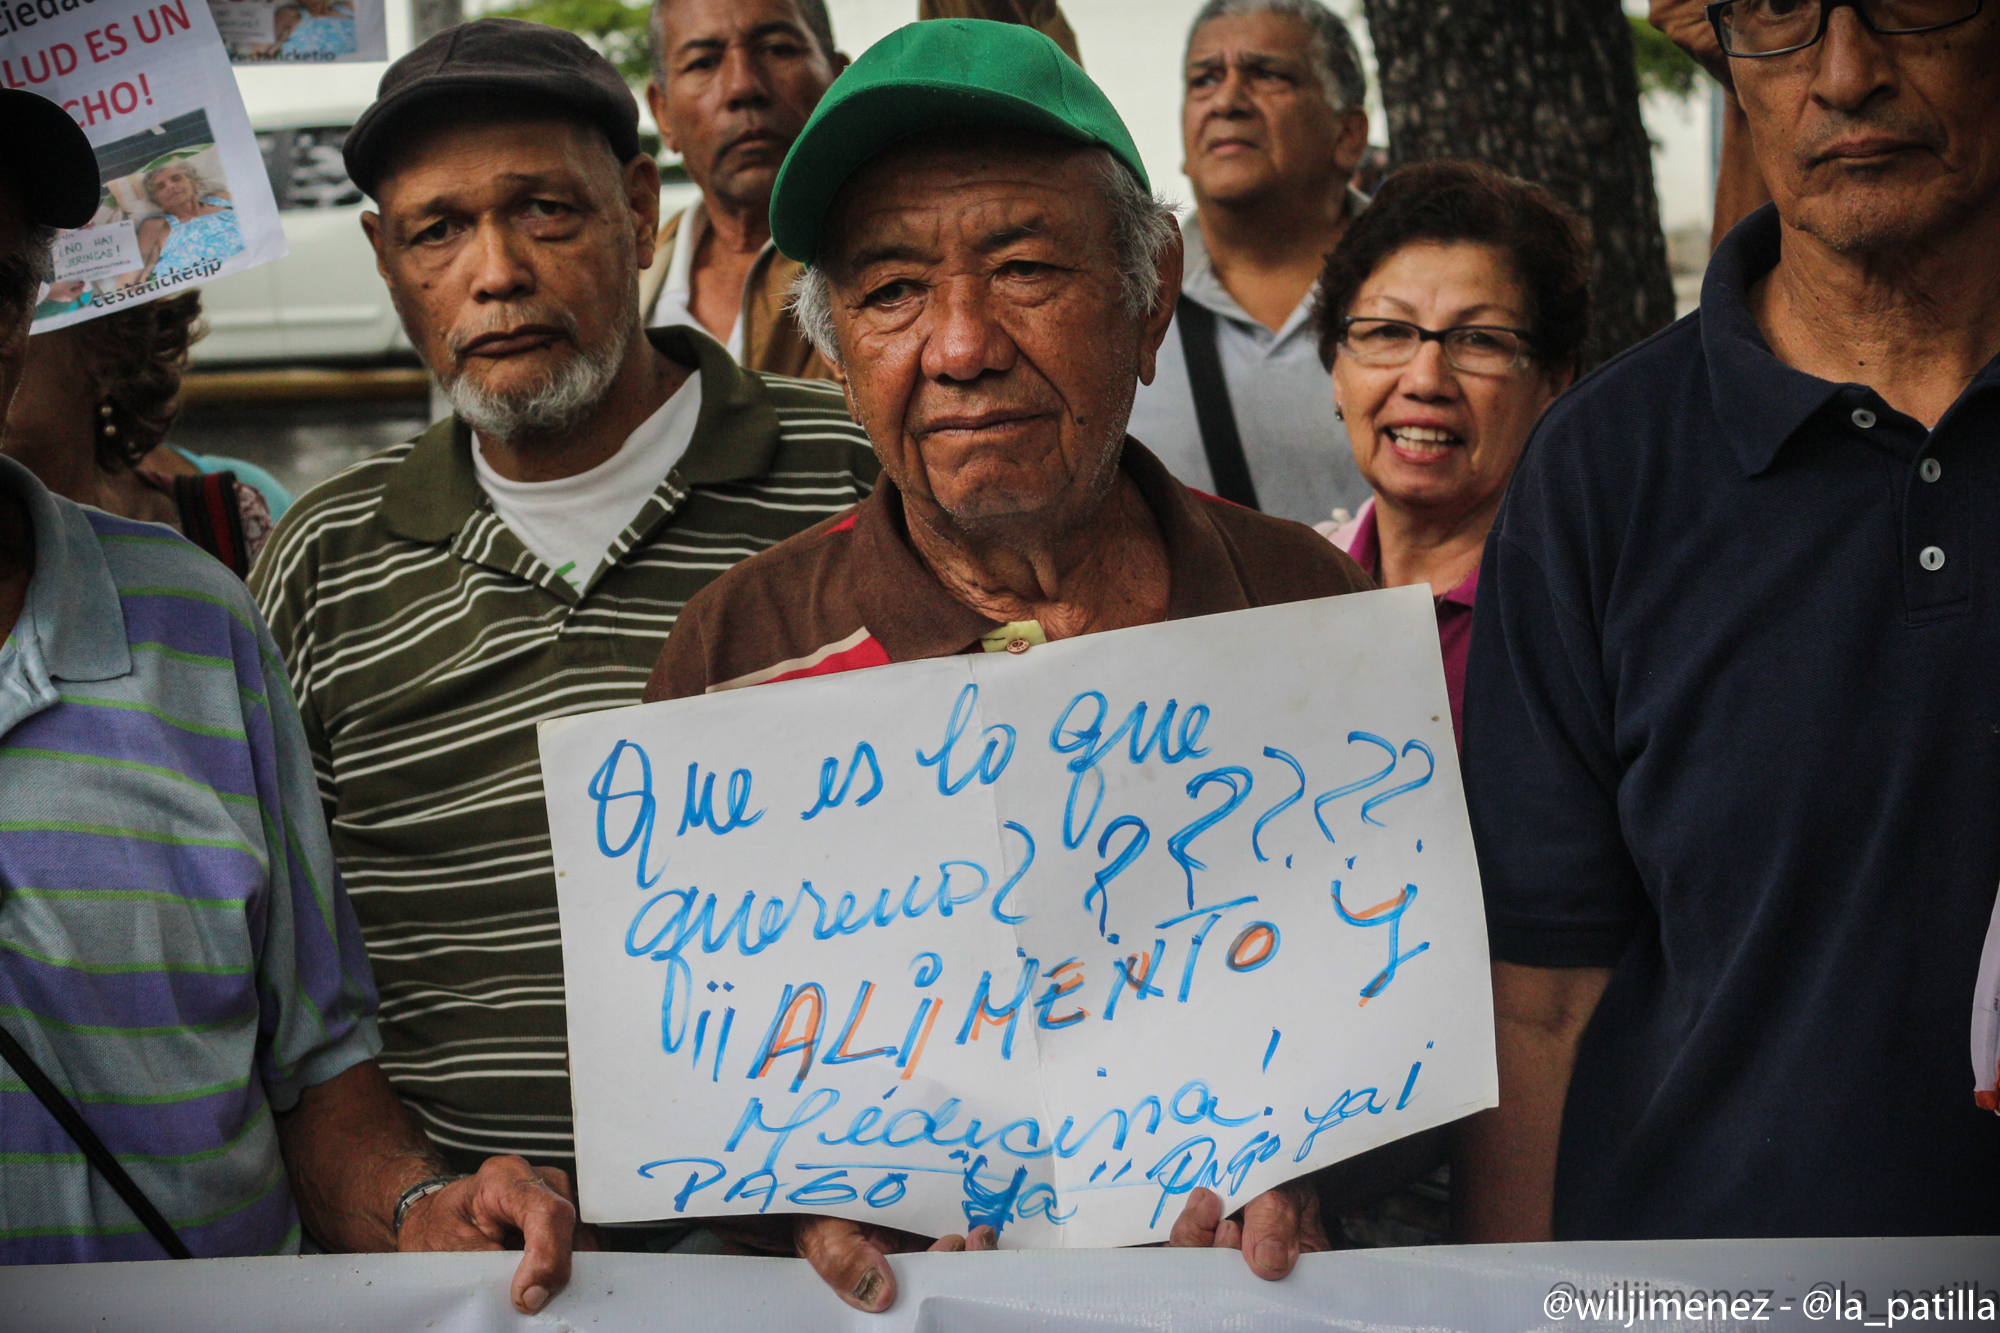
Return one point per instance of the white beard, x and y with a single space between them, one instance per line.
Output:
557 405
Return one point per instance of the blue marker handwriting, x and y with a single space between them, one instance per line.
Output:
1087 744
992 760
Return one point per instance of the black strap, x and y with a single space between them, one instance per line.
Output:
1212 412
93 1147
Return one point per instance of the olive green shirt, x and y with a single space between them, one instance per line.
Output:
424 642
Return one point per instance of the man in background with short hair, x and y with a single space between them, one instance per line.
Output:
733 83
1273 126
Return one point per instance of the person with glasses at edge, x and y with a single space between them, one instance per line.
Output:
1450 315
1729 759
1739 185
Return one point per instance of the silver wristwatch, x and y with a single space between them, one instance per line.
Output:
423 1189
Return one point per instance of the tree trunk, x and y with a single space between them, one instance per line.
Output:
1545 90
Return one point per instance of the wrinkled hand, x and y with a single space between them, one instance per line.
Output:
1274 1229
508 1205
852 1258
1685 22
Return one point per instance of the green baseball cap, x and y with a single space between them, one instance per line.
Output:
926 75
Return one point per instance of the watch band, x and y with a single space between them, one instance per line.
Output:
423 1189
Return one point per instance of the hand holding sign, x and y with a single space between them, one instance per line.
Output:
1042 943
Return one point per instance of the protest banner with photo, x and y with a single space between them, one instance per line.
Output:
185 196
1041 941
301 32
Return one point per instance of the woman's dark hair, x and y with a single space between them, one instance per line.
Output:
136 358
1546 242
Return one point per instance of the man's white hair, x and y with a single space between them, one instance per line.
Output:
40 252
1334 52
1142 227
25 266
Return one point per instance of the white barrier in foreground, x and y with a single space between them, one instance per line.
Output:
1794 1284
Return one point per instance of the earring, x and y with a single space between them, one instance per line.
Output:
106 426
1338 414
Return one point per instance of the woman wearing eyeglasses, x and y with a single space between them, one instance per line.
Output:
1451 314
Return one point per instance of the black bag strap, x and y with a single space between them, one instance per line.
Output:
80 1132
1212 411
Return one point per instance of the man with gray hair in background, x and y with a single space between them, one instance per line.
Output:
733 83
1272 127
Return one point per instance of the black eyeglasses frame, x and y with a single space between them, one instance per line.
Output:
1715 11
1438 336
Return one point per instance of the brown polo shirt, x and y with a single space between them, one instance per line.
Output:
850 592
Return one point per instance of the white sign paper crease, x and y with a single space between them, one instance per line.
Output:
1042 941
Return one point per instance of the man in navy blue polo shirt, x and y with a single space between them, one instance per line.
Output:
1732 727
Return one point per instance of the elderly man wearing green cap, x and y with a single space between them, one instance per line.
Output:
990 278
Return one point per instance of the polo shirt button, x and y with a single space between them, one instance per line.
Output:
1863 418
1929 469
1931 558
1022 645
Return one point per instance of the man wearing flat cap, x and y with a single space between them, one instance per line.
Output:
187 1025
520 561
990 291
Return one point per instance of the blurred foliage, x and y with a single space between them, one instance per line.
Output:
1663 67
615 29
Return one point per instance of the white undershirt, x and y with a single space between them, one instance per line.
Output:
571 522
672 306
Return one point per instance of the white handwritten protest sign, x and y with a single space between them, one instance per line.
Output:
302 32
1040 941
150 83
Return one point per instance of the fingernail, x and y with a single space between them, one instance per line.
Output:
987 1235
953 1244
535 1298
869 1287
1270 1255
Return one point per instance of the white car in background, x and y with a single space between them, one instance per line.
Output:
323 302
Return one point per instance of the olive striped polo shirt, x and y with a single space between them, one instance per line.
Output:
425 642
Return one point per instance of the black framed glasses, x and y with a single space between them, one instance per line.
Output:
1754 29
1476 349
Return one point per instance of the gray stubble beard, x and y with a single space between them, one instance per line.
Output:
558 405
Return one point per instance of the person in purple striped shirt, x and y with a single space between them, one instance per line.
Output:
177 956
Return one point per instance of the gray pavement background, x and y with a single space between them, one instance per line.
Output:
300 444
